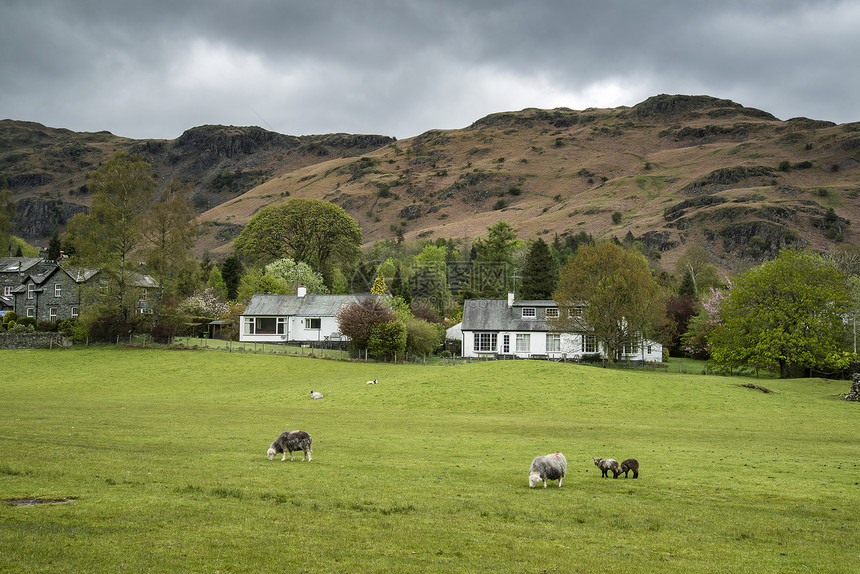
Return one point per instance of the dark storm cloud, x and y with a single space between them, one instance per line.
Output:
154 69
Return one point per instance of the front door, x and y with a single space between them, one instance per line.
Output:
506 344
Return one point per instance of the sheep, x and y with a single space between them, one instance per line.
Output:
606 465
373 382
547 467
627 466
289 442
316 395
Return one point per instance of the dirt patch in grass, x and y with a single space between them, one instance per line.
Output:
36 501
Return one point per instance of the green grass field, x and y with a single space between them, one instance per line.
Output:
159 457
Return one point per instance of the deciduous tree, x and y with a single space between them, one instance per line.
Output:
169 233
107 236
619 299
312 231
296 273
785 313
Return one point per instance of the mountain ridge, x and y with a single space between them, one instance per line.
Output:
680 170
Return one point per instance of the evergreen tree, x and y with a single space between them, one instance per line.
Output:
540 275
231 271
688 285
378 286
54 248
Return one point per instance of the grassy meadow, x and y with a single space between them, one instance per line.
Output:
157 461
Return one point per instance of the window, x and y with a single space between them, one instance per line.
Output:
575 311
589 344
552 312
631 347
52 314
649 349
143 295
485 342
529 313
313 323
553 343
7 291
31 290
265 326
523 342
31 311
58 290
74 312
506 344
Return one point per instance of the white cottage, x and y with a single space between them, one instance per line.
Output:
517 328
300 318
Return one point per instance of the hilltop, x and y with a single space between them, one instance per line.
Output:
672 171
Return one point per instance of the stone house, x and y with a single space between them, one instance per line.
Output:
52 292
13 270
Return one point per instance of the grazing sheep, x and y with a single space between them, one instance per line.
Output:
291 441
606 465
316 395
373 382
547 467
627 466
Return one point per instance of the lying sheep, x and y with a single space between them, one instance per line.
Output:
547 467
316 395
291 441
373 382
606 465
627 466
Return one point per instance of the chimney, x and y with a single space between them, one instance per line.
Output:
510 299
301 291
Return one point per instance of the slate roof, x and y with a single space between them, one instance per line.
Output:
17 264
495 315
307 306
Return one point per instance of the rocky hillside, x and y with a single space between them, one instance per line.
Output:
46 169
671 171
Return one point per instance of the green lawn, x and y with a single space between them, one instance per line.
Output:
161 456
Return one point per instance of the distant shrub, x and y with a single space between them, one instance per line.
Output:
785 165
616 217
29 321
500 204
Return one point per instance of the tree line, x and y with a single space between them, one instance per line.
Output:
793 314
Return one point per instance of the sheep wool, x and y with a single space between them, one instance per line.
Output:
291 441
548 467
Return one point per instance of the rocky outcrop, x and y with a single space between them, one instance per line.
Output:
665 106
36 217
758 240
729 178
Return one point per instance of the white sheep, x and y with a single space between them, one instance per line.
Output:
373 382
316 395
548 467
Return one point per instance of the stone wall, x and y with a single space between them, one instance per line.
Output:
854 395
33 340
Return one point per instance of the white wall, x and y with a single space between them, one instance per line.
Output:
295 330
571 347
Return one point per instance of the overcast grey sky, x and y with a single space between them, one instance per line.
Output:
154 68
